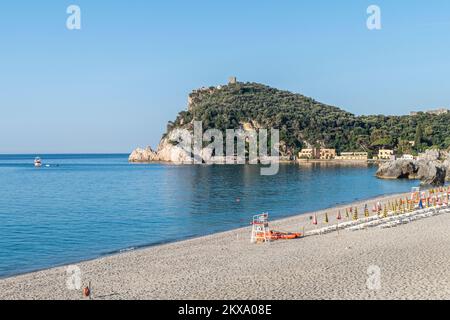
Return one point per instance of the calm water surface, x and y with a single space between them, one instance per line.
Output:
85 206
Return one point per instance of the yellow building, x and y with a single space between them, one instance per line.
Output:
353 156
316 153
327 154
307 154
385 154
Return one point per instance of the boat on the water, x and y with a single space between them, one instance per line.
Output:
38 162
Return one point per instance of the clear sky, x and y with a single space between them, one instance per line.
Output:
114 84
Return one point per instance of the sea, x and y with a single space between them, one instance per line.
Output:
78 207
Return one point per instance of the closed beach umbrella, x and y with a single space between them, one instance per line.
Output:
326 217
314 220
355 215
339 217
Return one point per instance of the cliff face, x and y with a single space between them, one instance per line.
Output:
446 164
168 150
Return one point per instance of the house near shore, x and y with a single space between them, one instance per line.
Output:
327 154
310 153
353 156
386 154
317 154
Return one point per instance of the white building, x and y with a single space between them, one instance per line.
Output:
408 157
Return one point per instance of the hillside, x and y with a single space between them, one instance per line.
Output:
304 122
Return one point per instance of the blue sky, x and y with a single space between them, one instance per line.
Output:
114 84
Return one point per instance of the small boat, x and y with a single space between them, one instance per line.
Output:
38 162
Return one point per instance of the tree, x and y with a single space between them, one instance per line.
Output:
419 137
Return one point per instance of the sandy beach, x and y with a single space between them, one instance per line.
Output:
412 259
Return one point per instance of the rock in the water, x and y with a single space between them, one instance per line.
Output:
430 172
435 159
170 149
398 169
143 155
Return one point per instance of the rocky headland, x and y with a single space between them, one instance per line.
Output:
306 123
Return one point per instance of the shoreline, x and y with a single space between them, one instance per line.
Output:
281 219
226 265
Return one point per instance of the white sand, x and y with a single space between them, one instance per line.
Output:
413 259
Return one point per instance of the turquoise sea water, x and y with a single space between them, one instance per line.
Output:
85 206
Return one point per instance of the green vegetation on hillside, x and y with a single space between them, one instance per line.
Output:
303 121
